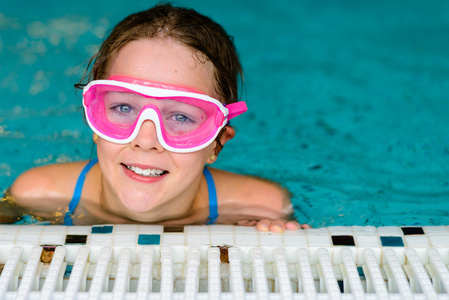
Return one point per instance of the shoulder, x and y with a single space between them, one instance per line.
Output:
257 197
46 182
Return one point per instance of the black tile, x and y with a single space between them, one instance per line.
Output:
412 230
75 239
174 229
343 240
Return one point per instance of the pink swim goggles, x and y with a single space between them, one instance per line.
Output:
185 121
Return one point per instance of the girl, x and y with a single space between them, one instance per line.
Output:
163 87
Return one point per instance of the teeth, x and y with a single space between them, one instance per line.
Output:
146 172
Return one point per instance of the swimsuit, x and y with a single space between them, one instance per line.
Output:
213 206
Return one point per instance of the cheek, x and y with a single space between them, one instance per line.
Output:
107 151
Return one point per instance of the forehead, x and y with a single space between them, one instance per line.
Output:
166 61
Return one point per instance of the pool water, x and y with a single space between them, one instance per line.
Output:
348 99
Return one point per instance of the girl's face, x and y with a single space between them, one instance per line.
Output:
160 60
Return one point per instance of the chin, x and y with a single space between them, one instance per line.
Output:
139 206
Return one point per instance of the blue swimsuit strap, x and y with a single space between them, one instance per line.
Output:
213 206
77 193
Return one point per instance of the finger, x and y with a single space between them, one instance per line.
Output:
263 225
277 226
292 225
247 222
305 226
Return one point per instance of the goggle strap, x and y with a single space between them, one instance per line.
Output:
236 109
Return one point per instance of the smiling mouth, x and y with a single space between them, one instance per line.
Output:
146 172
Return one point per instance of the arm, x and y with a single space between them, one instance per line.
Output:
254 201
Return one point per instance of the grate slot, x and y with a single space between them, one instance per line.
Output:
144 285
99 282
259 274
283 279
78 275
421 275
236 278
122 279
192 273
440 267
214 282
29 278
330 281
54 276
352 274
167 283
398 274
307 283
374 278
9 269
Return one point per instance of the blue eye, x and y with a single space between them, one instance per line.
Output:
125 108
181 118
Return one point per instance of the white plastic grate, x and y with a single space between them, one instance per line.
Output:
145 262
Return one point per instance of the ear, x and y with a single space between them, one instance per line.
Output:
224 136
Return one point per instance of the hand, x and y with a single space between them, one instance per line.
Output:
277 226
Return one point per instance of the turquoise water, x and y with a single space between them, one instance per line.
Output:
348 99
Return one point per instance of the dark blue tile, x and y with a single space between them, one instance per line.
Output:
102 229
149 239
343 240
392 241
361 273
412 230
68 271
341 286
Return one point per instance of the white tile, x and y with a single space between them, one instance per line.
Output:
436 230
52 239
295 232
367 241
9 228
55 229
80 230
416 241
204 229
389 231
101 239
198 239
321 231
222 239
125 228
246 239
340 230
245 229
439 240
214 229
34 229
271 239
295 240
173 239
319 240
125 239
151 229
7 238
26 238
364 230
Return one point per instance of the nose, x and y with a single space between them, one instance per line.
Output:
146 138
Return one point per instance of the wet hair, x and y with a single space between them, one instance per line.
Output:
207 38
